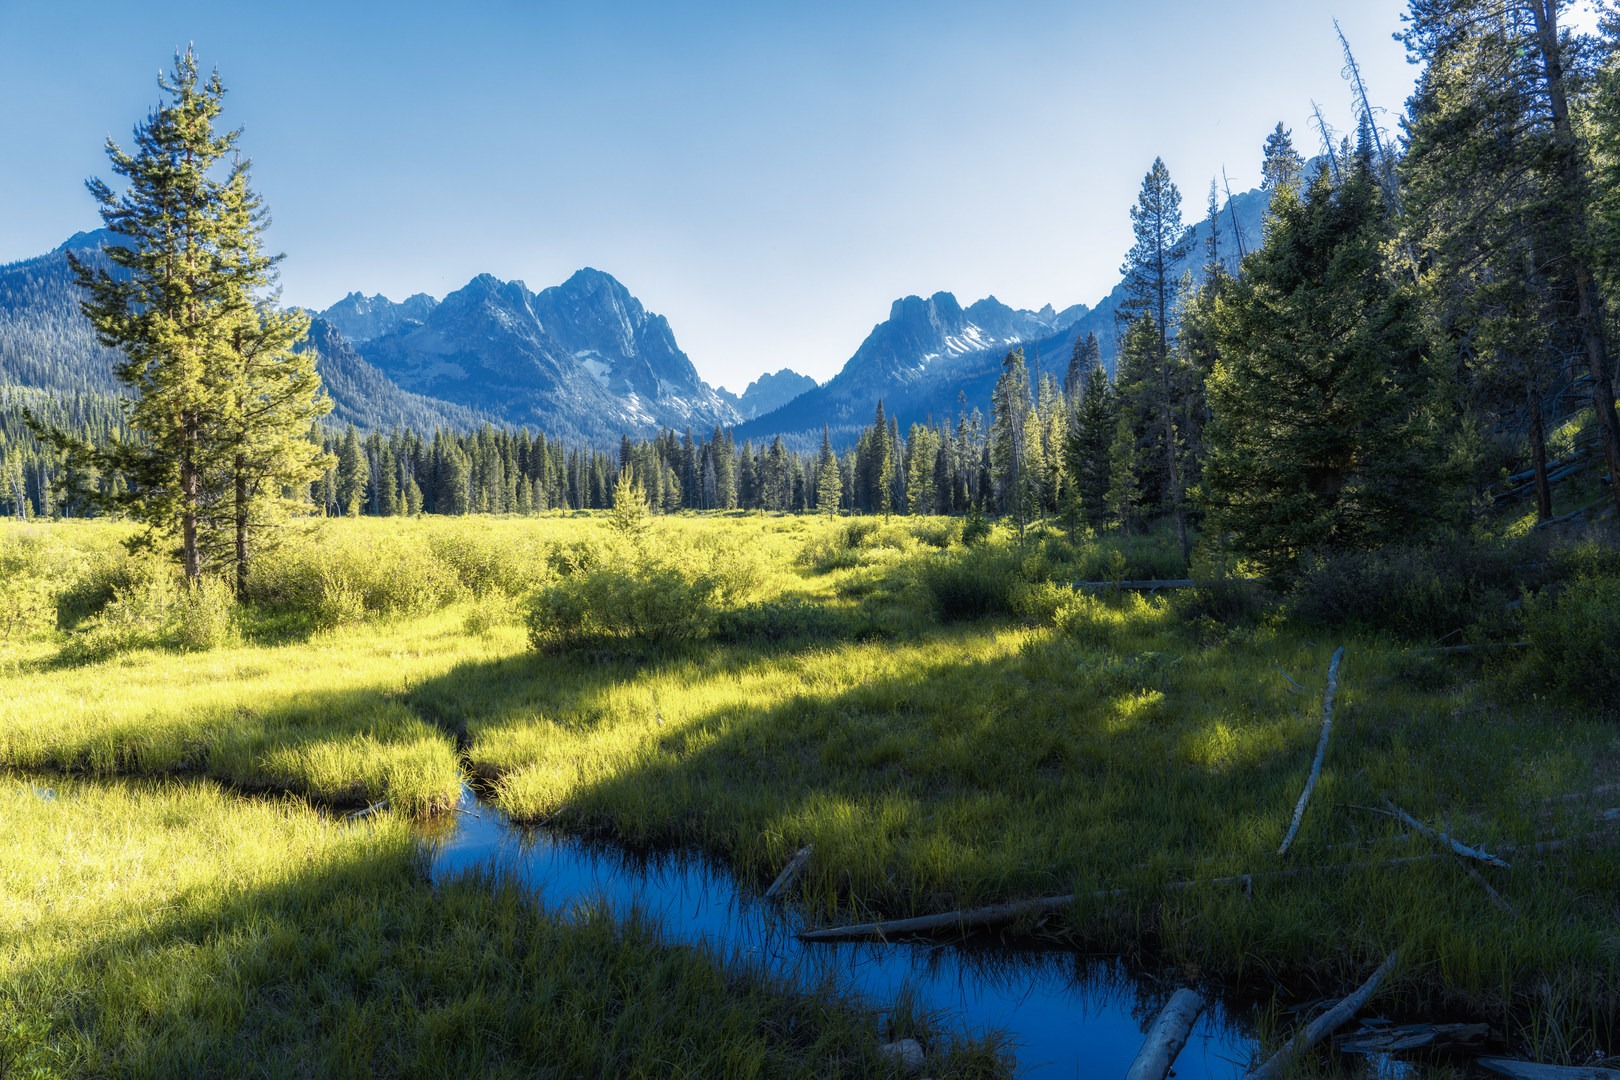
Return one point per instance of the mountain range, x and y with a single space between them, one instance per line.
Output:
584 360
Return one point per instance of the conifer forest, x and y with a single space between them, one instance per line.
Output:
1224 676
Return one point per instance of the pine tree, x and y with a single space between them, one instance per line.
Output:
1009 442
1092 426
1282 166
221 404
1150 272
1493 210
829 480
1329 428
352 474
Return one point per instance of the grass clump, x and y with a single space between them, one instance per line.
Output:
658 590
1575 643
185 932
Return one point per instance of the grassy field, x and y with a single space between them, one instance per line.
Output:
947 725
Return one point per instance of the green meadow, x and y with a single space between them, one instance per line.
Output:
945 720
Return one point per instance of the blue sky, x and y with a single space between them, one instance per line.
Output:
770 176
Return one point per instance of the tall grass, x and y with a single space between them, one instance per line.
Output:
179 931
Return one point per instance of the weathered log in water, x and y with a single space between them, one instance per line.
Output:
1530 1070
1167 1036
1323 1025
790 874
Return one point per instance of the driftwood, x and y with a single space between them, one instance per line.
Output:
790 874
1323 1025
1000 914
1453 650
1147 584
1529 1070
374 808
1435 1038
1321 749
1457 846
1167 1036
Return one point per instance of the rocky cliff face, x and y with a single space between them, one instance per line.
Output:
583 358
360 318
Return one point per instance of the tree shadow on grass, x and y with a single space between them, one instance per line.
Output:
344 962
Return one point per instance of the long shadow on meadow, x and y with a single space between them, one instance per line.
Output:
307 949
986 762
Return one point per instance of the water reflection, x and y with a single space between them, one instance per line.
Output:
1066 1015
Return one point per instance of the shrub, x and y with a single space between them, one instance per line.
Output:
339 577
980 581
781 620
1573 637
648 604
154 608
1426 592
975 528
1223 600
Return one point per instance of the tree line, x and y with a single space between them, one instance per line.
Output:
1418 315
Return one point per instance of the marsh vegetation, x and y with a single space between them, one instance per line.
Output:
944 724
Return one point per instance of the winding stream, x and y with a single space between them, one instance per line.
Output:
1066 1015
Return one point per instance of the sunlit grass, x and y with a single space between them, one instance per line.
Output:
1103 745
177 930
324 717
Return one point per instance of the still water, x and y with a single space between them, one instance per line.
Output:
1066 1015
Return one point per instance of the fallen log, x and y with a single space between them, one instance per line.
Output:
1453 650
790 874
999 914
1323 1025
374 808
1167 1036
1441 838
1147 584
1435 1038
1321 750
1530 1070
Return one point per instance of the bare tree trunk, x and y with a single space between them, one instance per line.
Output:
1593 338
1538 455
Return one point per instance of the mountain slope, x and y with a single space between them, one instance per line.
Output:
770 391
360 318
911 355
923 363
582 359
47 344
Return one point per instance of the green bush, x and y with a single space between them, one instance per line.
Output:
650 605
781 620
1573 642
980 581
153 608
337 578
1427 592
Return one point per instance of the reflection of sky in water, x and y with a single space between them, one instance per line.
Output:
1067 1016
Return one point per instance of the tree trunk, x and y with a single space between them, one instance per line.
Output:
190 494
241 509
1545 13
1538 455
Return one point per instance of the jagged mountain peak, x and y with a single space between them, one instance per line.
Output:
584 356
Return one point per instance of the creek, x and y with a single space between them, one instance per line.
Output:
1066 1015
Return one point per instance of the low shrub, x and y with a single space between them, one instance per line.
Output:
1417 592
649 604
980 581
781 620
1226 601
154 608
341 577
1573 639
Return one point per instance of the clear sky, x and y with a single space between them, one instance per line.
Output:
769 175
